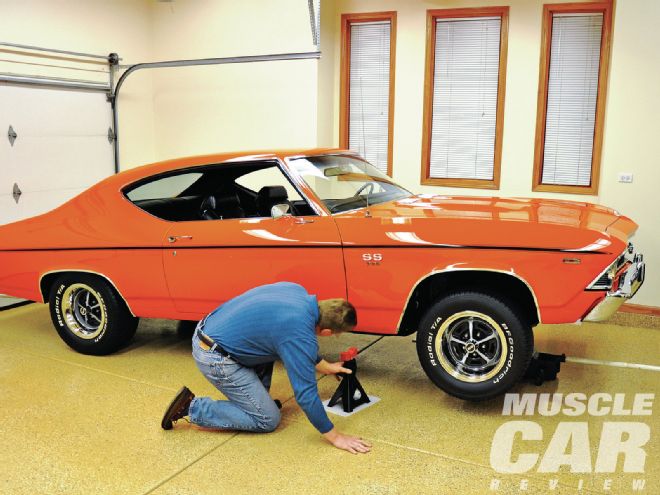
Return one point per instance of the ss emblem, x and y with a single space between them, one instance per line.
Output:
372 258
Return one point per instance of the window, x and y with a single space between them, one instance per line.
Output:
166 187
218 192
464 97
367 86
346 183
572 85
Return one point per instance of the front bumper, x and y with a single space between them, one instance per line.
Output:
630 281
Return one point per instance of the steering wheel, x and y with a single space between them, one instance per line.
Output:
371 185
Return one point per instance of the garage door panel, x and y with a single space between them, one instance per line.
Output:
10 210
54 112
66 162
62 147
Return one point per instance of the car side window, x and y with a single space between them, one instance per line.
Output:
165 188
167 197
218 192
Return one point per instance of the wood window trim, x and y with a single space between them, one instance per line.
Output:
431 16
542 104
344 84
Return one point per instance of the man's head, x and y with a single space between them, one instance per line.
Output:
336 316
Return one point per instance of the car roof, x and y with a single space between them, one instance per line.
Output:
137 173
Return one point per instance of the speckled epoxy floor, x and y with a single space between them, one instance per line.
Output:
91 425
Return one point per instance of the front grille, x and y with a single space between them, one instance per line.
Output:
604 282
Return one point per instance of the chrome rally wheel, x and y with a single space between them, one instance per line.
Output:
84 310
472 347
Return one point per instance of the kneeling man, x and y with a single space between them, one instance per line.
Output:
236 345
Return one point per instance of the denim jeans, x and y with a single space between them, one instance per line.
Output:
249 408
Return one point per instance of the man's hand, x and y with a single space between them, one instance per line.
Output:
327 368
354 445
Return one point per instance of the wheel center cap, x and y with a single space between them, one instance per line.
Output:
470 347
83 311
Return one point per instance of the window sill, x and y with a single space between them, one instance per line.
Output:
586 190
467 183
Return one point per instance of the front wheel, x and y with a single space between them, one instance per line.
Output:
89 315
474 346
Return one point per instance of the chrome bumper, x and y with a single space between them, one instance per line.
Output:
630 282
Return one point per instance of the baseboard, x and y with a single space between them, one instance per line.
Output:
640 310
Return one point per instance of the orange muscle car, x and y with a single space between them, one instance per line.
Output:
472 276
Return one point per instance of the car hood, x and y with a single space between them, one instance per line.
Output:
495 222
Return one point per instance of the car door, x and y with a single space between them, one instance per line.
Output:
207 262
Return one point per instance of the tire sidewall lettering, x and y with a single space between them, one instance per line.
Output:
510 354
430 341
105 323
58 305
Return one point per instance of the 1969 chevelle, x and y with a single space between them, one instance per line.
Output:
472 276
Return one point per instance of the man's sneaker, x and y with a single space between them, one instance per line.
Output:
178 408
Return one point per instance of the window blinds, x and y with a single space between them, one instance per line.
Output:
572 94
465 85
369 95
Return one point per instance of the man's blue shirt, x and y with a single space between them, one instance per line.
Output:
271 322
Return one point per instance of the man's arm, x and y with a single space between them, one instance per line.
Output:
327 368
299 359
354 445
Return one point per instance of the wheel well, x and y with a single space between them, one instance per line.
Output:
512 289
48 280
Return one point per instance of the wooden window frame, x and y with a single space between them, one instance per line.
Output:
345 84
544 73
431 17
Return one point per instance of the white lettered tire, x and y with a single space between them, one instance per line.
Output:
89 315
474 346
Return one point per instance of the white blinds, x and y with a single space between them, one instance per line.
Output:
465 84
572 94
369 95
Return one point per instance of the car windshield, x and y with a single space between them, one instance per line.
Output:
347 182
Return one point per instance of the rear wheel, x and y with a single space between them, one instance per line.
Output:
89 315
474 346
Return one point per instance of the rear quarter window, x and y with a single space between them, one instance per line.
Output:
165 188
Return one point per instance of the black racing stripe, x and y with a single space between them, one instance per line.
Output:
314 246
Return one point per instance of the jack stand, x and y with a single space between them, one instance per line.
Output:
544 367
349 385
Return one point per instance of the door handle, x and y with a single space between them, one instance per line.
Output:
173 238
302 221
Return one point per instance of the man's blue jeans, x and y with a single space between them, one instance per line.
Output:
249 408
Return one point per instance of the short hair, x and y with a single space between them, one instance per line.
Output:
337 314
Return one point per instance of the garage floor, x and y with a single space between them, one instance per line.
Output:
72 424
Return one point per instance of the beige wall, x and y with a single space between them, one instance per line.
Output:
631 122
632 130
233 107
91 26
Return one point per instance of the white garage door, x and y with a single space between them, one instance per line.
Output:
61 147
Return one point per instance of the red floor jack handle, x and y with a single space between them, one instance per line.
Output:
350 392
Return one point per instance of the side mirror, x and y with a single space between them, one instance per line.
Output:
279 211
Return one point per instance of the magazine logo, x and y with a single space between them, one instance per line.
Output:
515 447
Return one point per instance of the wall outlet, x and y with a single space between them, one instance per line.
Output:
625 177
